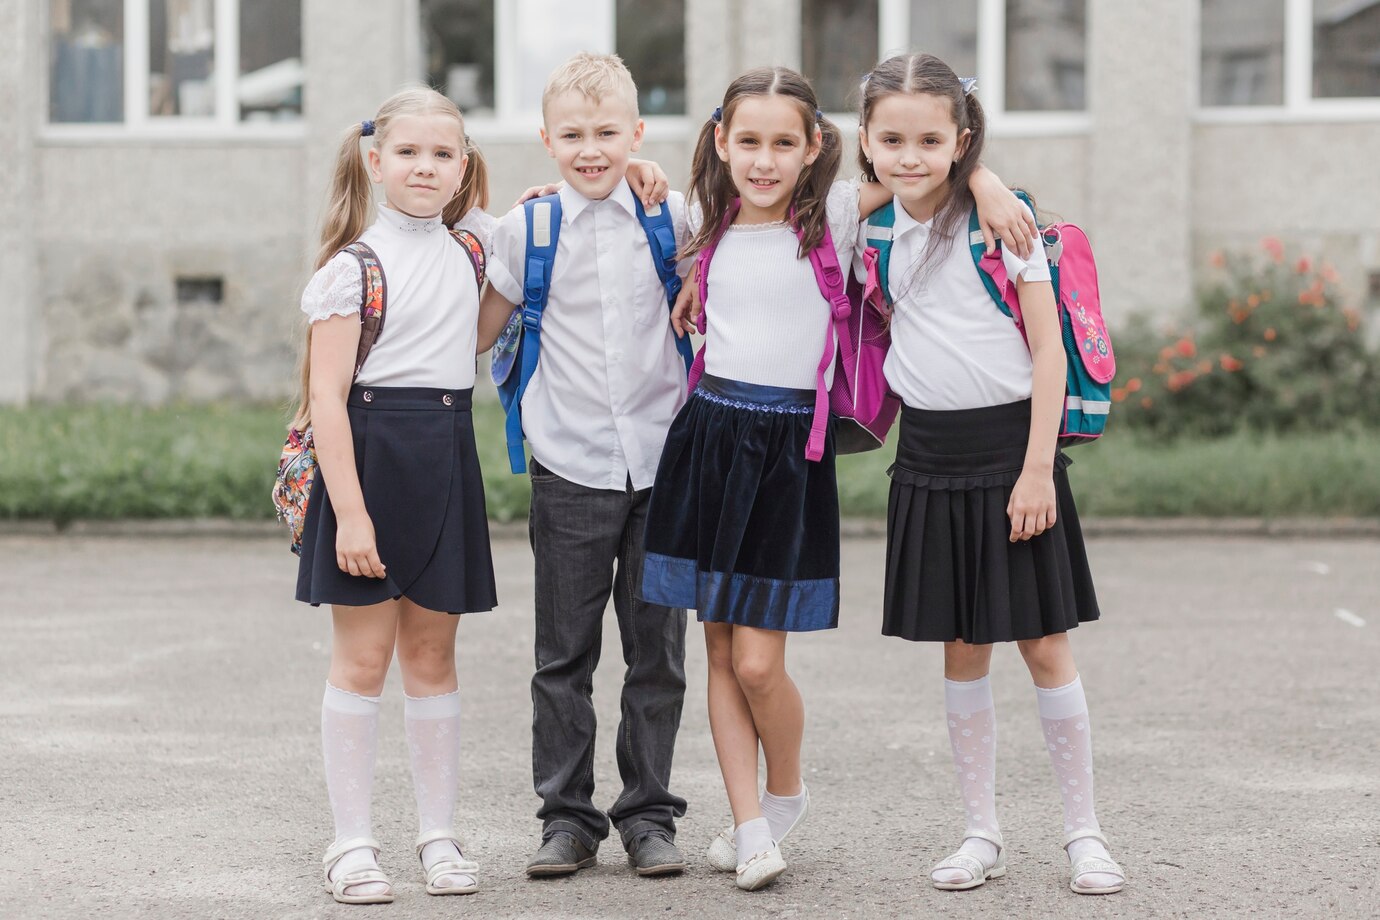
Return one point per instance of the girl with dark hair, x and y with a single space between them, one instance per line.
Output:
742 526
983 541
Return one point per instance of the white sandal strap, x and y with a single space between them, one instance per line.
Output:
342 885
964 861
989 836
1086 833
1092 864
341 847
444 833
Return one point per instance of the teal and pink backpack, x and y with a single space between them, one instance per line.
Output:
1073 274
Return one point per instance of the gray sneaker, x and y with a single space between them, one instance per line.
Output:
560 854
653 853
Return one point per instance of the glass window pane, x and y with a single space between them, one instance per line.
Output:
182 45
1243 52
651 41
547 34
1046 55
839 45
86 76
270 81
458 51
1346 48
948 31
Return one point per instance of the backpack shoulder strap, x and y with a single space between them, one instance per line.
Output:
978 248
543 230
474 249
832 283
702 260
661 238
374 302
879 235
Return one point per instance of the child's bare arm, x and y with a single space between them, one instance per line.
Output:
1032 505
1001 214
494 310
871 196
334 342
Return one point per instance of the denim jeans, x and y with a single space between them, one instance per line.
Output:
588 543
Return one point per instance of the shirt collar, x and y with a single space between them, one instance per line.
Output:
573 203
407 223
904 223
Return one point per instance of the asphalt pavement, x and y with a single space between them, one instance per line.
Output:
159 745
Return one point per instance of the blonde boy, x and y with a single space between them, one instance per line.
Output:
607 386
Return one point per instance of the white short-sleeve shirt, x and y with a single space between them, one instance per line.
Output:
951 346
430 327
609 380
765 318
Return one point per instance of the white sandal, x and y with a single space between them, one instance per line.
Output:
340 888
723 850
978 874
1093 864
444 867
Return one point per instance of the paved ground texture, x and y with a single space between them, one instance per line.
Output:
159 713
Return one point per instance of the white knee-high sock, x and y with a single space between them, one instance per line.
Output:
349 746
1068 737
972 718
433 746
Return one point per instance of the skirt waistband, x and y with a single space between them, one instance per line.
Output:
983 442
411 398
740 395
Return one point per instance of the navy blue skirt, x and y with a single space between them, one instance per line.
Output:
741 526
418 470
951 571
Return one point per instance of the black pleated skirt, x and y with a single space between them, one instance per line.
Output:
951 571
741 527
419 472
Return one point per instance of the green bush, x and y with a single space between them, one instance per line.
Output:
1272 348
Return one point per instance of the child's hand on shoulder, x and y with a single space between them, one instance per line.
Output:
539 191
355 549
1032 505
648 182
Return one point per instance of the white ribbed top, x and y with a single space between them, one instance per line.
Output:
430 322
766 320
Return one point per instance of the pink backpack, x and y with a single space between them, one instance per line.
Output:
863 408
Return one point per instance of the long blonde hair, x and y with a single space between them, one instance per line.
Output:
349 200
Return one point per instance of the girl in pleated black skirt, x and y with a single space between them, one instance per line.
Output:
396 537
983 542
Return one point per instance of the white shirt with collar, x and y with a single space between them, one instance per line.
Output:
951 346
609 380
430 323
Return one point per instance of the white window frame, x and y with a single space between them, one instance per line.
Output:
510 121
893 37
138 123
1299 103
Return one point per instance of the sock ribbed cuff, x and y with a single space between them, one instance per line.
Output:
353 704
441 706
1062 702
968 696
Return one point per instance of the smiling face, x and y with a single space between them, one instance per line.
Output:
766 144
591 141
913 141
419 163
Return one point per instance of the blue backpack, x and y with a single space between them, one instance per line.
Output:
519 344
1073 275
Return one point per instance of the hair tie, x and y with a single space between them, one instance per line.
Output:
717 116
969 84
366 128
819 116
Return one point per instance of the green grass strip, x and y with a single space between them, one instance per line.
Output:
100 462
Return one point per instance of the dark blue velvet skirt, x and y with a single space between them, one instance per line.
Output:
951 571
741 526
419 472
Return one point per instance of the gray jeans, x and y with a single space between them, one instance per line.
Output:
588 544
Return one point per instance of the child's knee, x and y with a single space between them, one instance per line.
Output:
1046 653
427 659
758 673
361 667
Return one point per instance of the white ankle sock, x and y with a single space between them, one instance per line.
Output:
433 746
753 837
781 811
1068 736
349 746
972 719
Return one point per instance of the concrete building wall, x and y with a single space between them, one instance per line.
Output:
103 228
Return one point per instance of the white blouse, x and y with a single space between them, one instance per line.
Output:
951 346
430 327
766 320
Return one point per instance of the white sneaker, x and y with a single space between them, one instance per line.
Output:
723 851
761 870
